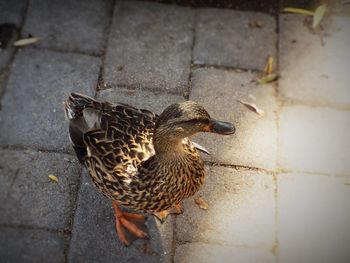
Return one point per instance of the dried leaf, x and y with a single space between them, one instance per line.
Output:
318 15
269 66
26 41
267 79
298 11
53 178
201 203
253 107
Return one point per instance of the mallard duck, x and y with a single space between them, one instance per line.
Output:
138 159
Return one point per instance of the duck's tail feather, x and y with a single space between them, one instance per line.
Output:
83 115
76 103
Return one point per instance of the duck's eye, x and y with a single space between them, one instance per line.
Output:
204 121
198 120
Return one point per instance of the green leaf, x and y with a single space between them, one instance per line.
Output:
298 11
53 178
267 79
269 66
318 15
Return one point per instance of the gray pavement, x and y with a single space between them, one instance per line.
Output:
224 38
278 190
157 42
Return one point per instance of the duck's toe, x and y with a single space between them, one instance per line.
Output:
123 220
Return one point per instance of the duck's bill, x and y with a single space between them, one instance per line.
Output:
222 127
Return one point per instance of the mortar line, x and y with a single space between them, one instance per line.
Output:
194 39
317 173
239 167
72 216
285 102
218 243
277 49
135 87
67 51
275 248
187 93
225 67
100 80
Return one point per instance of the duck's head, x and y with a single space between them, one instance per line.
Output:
185 119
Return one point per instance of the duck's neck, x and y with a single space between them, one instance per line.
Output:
170 148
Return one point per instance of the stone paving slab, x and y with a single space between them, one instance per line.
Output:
314 140
254 143
210 253
224 37
12 11
40 81
310 72
241 210
94 236
339 8
69 25
30 246
150 46
29 197
313 218
149 100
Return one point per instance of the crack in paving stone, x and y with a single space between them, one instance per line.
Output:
12 183
198 64
239 167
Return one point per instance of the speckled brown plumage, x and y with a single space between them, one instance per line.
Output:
115 142
137 158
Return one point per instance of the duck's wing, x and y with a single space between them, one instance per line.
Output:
114 134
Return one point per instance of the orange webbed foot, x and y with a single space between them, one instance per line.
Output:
123 220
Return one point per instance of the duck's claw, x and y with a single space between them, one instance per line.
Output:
177 209
162 215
